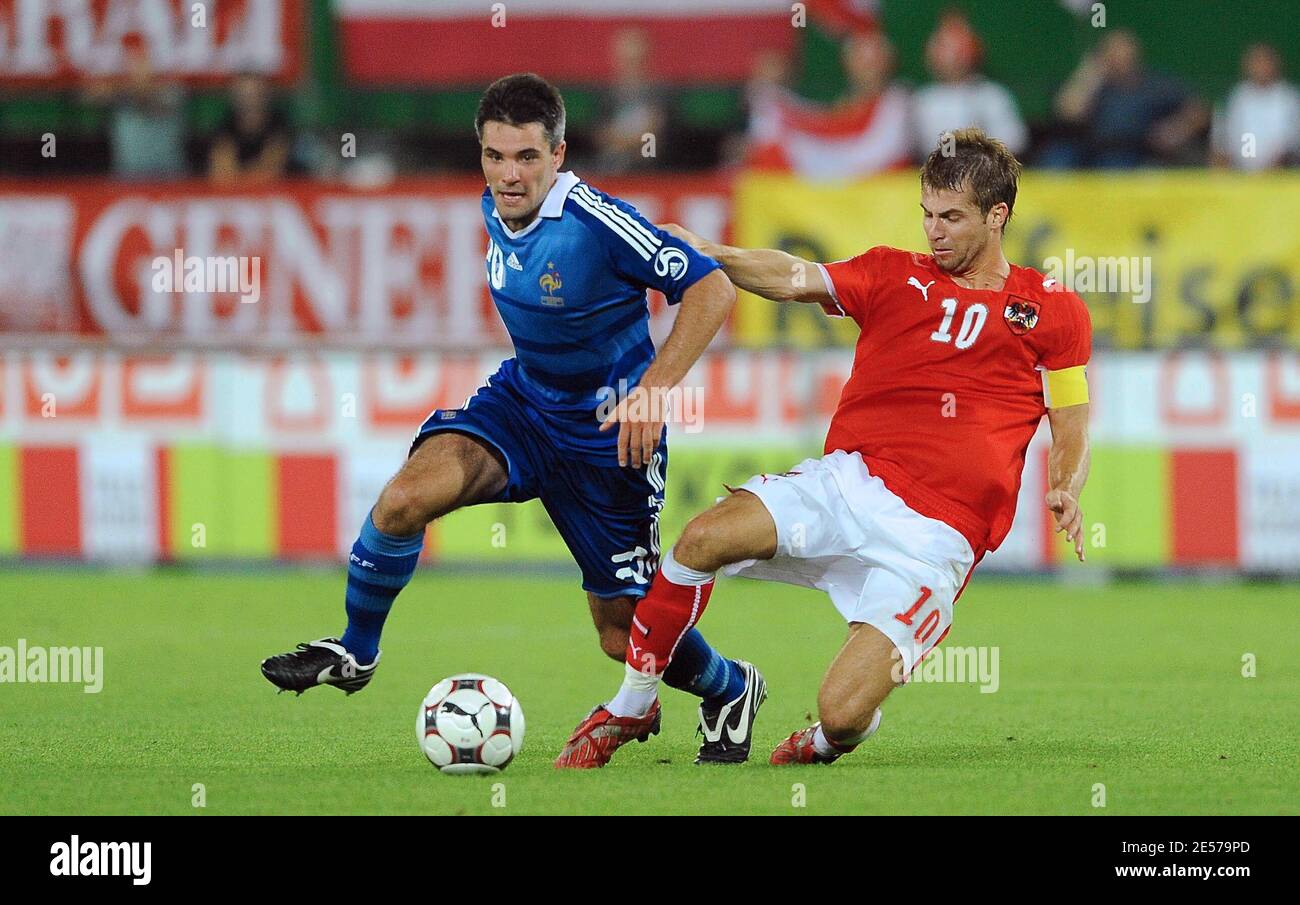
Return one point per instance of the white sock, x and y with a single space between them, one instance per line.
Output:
680 574
823 745
637 695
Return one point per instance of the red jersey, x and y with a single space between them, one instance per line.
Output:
947 387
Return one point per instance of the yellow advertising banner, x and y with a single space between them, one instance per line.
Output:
1163 259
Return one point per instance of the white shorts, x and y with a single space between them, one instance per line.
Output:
841 530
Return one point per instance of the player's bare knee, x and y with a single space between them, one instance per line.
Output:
401 509
702 544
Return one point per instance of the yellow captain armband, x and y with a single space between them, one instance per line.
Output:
1064 388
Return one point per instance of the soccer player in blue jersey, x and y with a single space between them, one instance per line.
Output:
568 267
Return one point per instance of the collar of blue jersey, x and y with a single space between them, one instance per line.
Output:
552 204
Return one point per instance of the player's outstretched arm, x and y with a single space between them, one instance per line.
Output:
1067 470
776 275
640 415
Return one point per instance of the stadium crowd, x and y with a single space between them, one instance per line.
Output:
1113 111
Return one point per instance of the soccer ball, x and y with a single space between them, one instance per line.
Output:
470 724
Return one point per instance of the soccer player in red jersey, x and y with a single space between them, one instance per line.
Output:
960 355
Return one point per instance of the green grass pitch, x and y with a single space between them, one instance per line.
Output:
1135 686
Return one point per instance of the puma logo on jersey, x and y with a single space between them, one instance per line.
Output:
925 290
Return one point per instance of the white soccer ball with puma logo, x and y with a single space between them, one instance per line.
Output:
470 723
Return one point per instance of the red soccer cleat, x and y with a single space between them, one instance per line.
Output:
597 737
798 749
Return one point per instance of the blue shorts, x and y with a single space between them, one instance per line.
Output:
608 515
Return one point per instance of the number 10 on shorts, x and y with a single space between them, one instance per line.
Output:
928 624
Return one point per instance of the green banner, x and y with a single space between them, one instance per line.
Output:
9 499
224 503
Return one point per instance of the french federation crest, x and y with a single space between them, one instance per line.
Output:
550 283
1021 315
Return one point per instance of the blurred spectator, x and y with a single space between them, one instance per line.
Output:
634 109
1126 115
1263 106
252 145
960 96
864 133
768 88
146 121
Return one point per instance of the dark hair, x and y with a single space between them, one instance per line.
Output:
520 99
968 160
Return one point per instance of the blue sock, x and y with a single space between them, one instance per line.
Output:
705 673
379 567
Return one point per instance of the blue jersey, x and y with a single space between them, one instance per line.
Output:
571 289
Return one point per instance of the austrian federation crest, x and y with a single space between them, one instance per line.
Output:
1021 315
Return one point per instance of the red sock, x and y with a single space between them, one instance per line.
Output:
667 613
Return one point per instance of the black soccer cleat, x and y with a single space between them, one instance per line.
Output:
323 662
728 730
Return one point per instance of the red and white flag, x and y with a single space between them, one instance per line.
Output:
851 140
473 41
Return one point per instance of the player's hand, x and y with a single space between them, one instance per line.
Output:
640 416
1069 517
685 235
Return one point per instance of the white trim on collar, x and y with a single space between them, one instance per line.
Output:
552 204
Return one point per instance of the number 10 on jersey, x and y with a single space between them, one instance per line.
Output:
972 323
